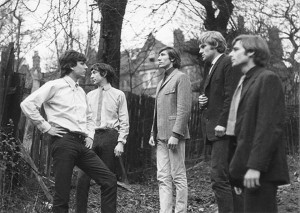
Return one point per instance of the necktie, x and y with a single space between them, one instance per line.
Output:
234 107
98 120
210 68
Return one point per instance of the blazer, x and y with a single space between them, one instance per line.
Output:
259 128
172 107
218 87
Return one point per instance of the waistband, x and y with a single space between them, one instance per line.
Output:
105 130
77 135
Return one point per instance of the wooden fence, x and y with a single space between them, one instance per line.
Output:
138 156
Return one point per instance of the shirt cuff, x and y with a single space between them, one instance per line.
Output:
122 141
91 135
44 127
176 135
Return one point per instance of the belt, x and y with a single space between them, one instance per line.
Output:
104 130
77 135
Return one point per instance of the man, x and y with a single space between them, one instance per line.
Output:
214 103
70 123
256 121
109 108
170 130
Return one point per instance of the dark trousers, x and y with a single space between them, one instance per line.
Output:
226 198
262 199
104 144
70 151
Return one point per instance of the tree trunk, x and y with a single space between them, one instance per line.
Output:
110 34
220 21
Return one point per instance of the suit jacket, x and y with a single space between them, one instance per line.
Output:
218 88
259 128
172 107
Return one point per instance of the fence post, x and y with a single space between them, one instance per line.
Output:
7 69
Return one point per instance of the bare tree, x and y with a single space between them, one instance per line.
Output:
110 34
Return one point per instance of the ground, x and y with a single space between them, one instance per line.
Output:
143 197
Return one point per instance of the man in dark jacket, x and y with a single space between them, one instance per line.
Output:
256 122
215 102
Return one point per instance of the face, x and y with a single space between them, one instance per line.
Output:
238 55
164 60
79 70
96 77
208 52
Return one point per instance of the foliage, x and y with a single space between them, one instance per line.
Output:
11 165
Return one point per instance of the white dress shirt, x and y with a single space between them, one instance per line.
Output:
114 113
65 104
213 62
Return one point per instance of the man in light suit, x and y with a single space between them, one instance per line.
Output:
170 130
214 102
256 122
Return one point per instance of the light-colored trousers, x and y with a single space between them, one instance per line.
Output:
171 168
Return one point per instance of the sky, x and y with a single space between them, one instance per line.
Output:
138 23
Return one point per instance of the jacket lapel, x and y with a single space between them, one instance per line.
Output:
207 81
251 81
168 79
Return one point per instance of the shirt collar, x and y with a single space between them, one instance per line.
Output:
169 71
71 82
216 59
106 87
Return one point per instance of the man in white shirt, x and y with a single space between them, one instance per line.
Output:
110 114
70 123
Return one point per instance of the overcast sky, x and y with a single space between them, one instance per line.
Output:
138 23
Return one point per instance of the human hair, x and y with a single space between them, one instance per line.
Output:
173 55
105 70
68 60
214 39
256 44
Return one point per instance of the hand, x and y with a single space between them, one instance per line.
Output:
57 131
220 131
151 141
172 143
119 149
251 178
89 142
203 100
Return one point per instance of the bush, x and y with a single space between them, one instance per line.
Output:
12 167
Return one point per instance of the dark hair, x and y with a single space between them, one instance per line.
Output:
215 39
256 44
105 70
68 60
173 55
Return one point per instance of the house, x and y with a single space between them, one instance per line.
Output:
139 72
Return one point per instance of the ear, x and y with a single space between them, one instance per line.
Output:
250 53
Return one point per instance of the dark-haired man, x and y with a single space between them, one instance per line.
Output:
170 130
255 124
109 108
70 123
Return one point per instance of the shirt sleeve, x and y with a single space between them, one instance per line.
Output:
123 119
32 104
